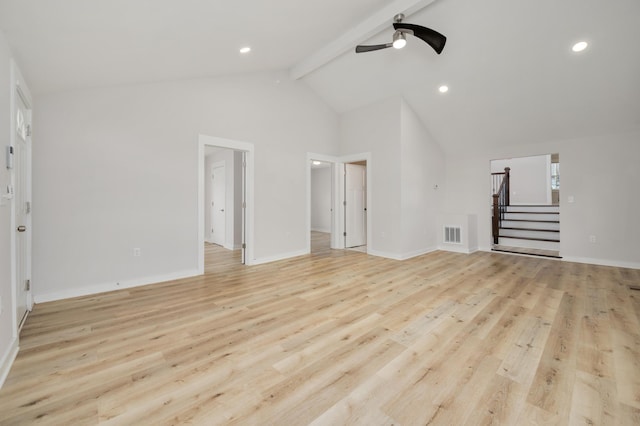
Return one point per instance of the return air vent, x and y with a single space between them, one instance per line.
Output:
452 234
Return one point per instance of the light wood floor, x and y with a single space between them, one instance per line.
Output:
339 337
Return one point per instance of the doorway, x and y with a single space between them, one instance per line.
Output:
225 201
525 195
321 205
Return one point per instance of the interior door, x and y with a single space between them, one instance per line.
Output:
355 205
218 215
22 208
244 209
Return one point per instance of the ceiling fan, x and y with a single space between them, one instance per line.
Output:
429 36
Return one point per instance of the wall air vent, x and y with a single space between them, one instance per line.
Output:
452 234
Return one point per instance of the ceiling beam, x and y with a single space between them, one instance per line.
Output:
364 30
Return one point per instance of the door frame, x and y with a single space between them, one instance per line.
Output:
337 224
248 149
20 88
335 239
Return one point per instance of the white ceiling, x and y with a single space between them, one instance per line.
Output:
509 65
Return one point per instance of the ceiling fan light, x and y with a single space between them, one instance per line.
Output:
399 40
579 46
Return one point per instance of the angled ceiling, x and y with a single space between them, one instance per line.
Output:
512 75
70 44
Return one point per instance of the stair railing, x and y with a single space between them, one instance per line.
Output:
500 189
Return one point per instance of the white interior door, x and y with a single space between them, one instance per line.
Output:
243 231
355 205
22 208
218 215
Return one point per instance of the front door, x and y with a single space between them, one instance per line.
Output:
22 207
355 205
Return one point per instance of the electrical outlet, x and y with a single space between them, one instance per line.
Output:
137 252
592 238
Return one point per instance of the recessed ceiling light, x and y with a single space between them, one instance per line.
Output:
316 163
443 89
245 49
579 46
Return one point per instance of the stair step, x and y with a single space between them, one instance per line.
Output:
528 234
529 243
520 237
528 251
531 216
531 208
531 224
529 229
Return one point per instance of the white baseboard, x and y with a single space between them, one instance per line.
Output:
275 258
602 262
591 261
325 230
457 249
7 360
105 287
400 256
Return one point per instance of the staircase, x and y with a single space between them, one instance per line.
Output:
524 229
531 226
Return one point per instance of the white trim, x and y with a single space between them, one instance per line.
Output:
277 257
323 230
402 256
7 360
113 286
602 262
456 249
248 148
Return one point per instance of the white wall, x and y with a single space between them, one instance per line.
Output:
376 128
7 341
422 169
116 168
321 199
406 164
529 178
600 172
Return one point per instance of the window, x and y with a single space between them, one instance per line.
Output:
555 175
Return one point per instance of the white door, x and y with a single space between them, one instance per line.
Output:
244 209
218 218
355 205
22 208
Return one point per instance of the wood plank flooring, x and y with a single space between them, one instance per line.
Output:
339 337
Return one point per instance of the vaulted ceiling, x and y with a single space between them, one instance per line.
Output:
508 64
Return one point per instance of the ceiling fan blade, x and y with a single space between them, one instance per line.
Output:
429 36
371 48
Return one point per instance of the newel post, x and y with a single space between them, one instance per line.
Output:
496 218
507 190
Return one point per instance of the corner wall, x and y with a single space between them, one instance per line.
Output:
407 164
